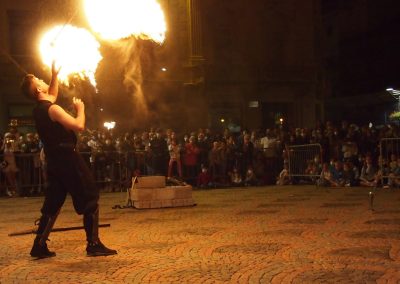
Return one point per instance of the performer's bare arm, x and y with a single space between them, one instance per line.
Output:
53 87
77 123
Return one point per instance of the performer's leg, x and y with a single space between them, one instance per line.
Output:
85 196
39 248
54 199
94 246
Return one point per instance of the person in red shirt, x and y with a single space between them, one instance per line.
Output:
190 159
204 178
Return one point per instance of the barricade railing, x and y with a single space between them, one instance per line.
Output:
21 172
302 161
113 170
25 172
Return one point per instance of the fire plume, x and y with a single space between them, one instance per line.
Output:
74 49
117 19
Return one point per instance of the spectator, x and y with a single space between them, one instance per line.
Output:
337 175
174 158
348 175
368 175
190 159
247 150
260 169
284 178
204 148
9 165
250 178
236 178
231 154
214 161
326 176
204 178
159 150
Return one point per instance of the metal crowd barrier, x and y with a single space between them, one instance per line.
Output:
300 157
27 177
113 171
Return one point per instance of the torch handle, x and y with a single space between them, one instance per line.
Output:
62 229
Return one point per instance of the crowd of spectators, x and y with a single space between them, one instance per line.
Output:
206 158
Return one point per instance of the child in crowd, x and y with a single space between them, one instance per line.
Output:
368 175
250 178
337 175
348 175
284 178
174 157
204 178
313 169
326 176
394 171
394 178
236 178
383 172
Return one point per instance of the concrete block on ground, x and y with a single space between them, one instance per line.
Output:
150 182
151 192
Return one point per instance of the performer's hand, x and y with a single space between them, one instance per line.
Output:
78 104
54 70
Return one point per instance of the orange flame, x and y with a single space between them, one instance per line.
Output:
117 19
74 49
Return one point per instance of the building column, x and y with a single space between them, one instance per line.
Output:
193 89
196 59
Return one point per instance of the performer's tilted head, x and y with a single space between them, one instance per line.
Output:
31 86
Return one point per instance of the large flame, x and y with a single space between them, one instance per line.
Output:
75 50
117 19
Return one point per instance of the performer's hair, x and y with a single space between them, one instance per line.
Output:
27 88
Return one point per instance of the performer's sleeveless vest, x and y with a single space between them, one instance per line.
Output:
55 138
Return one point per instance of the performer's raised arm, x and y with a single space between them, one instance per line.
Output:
53 88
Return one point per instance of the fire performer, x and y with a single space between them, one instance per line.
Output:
67 171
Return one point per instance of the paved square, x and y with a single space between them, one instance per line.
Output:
294 234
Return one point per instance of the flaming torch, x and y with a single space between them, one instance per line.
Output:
74 49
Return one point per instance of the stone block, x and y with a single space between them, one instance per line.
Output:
150 182
182 192
155 204
164 193
142 194
166 203
148 196
142 204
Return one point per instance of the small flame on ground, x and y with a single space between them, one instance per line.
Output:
117 19
74 49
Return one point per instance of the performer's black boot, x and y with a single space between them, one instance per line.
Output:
94 246
39 248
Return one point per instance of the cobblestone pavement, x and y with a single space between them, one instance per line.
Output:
294 234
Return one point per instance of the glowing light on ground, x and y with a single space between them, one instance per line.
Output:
74 49
117 19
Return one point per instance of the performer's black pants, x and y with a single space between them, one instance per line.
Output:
68 173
